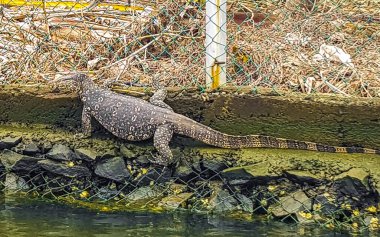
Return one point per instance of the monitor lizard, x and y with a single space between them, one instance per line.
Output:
135 119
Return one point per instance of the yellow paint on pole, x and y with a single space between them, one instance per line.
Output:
215 74
68 4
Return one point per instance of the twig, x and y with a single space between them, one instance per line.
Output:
151 36
121 71
133 54
92 5
332 87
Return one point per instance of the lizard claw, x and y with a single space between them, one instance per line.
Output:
158 160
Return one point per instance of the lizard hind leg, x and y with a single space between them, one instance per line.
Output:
161 139
158 99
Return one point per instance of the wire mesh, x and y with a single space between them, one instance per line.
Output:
127 181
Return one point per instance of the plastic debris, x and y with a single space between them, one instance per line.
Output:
333 53
91 64
294 39
309 84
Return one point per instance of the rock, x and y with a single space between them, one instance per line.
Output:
353 183
175 201
325 204
27 165
257 173
17 163
143 160
358 173
155 175
9 142
237 176
61 153
175 188
86 154
46 147
14 183
222 201
184 173
291 204
143 193
31 149
204 188
76 171
212 167
9 158
302 177
2 171
195 164
108 154
128 151
113 169
106 193
246 204
177 155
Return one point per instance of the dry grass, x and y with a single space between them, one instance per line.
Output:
273 47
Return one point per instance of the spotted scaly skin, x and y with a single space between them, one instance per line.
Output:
135 119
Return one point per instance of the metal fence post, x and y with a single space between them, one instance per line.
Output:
216 42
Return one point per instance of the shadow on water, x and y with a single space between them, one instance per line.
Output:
20 217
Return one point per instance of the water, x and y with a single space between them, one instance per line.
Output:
20 217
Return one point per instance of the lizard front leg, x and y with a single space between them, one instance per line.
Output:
86 123
161 139
158 99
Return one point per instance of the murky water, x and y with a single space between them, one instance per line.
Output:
36 218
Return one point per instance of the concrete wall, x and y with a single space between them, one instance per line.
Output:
326 119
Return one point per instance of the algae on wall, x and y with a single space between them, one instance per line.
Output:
39 106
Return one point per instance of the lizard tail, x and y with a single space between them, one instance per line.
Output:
215 138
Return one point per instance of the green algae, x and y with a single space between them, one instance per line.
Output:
330 120
31 133
274 162
113 205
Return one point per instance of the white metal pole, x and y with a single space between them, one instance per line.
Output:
216 42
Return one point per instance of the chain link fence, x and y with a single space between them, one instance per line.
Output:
298 45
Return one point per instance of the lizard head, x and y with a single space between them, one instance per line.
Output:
80 80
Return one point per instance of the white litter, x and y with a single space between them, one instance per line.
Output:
333 53
94 62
